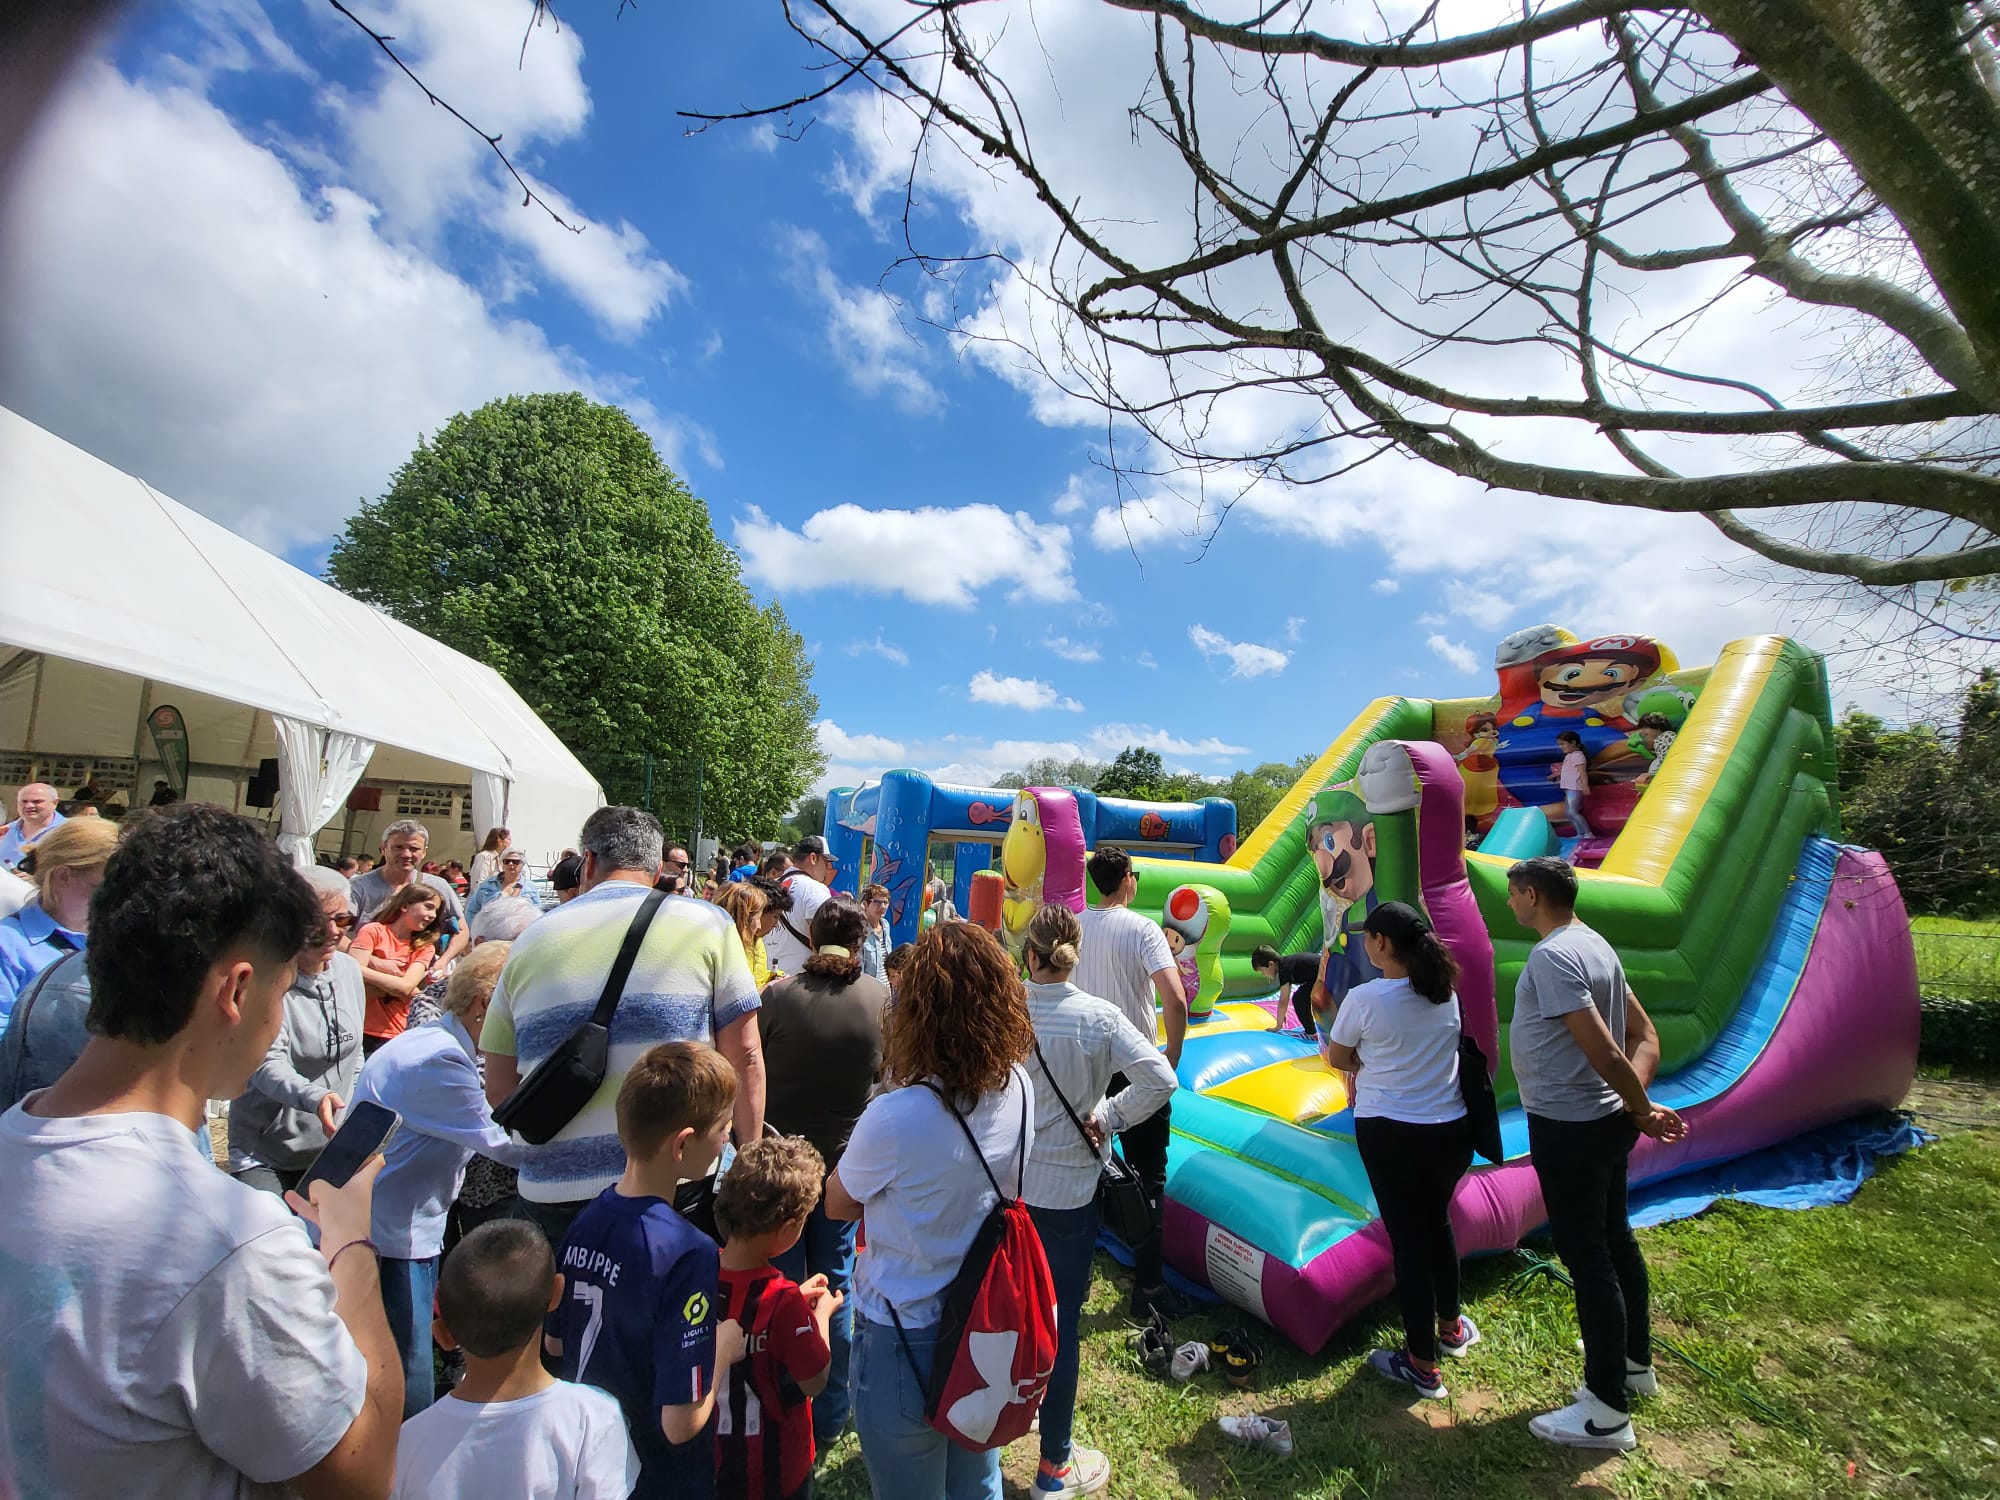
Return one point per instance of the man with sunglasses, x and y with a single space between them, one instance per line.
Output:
673 877
296 1095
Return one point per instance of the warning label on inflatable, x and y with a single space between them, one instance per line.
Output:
1236 1270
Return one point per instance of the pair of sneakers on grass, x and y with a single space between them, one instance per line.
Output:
1587 1422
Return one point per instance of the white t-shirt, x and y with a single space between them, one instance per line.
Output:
565 1443
808 895
1120 953
913 1172
1408 1050
169 1332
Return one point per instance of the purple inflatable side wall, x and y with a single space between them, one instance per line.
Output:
1847 1042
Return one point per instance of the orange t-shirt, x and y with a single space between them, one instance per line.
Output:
386 1015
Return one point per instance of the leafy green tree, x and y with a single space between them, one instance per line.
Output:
543 536
1930 801
808 817
1137 772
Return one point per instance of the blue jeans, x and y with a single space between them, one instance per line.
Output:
907 1458
1069 1236
827 1248
409 1288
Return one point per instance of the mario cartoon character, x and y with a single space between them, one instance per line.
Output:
1341 840
1479 768
1579 686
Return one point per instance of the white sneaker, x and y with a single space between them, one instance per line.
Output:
1586 1423
1188 1360
1089 1471
1267 1433
1639 1379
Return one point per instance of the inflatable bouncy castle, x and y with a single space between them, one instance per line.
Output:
1775 960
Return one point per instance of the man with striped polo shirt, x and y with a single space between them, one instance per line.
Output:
690 983
1125 959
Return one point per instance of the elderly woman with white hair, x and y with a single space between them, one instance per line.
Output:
296 1095
429 1075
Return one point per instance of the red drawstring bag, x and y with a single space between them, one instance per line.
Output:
996 1339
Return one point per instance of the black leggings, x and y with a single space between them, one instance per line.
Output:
1413 1170
1581 1165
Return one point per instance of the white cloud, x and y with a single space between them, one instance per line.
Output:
611 271
1295 626
1244 658
887 650
1018 692
933 555
839 745
1069 650
1386 586
1072 499
431 174
863 331
1147 660
1135 526
178 302
1456 653
1108 739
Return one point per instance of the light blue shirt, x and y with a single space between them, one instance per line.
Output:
11 842
430 1076
30 941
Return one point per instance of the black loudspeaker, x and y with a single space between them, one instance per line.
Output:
263 788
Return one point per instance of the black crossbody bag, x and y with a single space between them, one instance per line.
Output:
563 1082
1121 1198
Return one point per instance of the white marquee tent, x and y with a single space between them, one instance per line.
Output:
165 607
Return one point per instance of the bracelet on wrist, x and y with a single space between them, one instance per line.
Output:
334 1259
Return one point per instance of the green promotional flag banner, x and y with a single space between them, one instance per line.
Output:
170 739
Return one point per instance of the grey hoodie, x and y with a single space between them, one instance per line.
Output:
317 1052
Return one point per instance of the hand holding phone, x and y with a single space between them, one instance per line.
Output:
337 1192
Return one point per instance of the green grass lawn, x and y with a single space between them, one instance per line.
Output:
1958 956
1869 1328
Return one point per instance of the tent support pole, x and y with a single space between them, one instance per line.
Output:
35 702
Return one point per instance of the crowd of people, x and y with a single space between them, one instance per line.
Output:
666 1292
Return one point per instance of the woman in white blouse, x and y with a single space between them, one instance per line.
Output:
1081 1042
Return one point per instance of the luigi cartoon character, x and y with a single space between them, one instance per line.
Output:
1362 836
1551 686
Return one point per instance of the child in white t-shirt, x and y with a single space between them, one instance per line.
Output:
510 1428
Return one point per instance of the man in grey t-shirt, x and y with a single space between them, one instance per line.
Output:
404 844
1583 1052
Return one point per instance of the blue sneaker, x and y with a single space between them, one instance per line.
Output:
1394 1364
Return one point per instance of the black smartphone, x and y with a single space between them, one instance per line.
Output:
366 1130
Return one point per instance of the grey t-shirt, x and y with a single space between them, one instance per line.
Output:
1571 968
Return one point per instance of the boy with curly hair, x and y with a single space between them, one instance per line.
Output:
763 1423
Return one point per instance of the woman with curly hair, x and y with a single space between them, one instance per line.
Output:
956 1040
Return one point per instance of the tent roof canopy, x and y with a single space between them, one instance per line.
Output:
168 595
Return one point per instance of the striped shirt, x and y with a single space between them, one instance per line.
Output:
690 982
1084 1040
1120 953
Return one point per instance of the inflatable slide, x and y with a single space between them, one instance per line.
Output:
1775 960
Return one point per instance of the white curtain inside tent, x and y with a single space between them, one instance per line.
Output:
317 770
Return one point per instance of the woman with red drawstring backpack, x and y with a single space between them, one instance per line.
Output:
955 1311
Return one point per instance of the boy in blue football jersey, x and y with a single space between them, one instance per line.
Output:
638 1318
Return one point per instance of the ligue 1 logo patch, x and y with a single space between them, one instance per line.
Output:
695 1312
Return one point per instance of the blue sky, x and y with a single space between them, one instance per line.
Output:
249 263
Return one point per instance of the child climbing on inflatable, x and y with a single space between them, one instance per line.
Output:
1573 775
